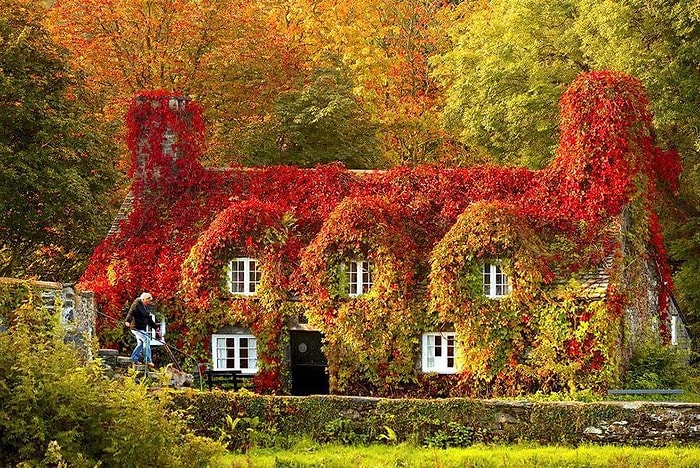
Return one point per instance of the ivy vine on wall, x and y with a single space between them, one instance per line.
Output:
427 231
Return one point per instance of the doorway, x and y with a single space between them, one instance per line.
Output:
309 364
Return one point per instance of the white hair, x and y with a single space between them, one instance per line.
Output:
146 296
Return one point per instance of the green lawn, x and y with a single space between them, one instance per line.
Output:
307 454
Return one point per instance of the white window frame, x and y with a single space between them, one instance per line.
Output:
250 276
496 284
226 353
359 275
439 350
674 330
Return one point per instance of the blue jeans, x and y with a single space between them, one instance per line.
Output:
143 343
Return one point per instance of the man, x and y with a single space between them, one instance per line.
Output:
138 319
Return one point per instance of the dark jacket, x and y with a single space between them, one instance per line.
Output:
139 317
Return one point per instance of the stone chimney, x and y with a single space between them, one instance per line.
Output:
165 138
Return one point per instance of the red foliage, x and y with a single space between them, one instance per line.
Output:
606 159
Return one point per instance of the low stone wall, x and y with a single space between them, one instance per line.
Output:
77 308
462 421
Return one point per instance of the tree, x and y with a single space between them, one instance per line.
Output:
512 59
385 46
55 172
509 64
321 123
126 46
236 57
223 53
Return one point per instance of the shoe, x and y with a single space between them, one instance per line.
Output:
151 365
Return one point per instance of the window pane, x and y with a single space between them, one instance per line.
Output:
439 352
486 270
450 351
244 349
352 279
252 353
366 276
502 286
254 275
506 284
429 351
237 276
235 352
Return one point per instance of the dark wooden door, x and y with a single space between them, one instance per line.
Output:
309 364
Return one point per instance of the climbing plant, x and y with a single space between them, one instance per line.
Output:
371 339
426 231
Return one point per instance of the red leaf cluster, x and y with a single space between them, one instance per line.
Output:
297 218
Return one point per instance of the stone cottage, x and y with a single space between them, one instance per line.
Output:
421 281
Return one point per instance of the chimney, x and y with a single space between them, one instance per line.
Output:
165 138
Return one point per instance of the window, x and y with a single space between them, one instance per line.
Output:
235 352
359 277
439 352
496 283
674 330
244 276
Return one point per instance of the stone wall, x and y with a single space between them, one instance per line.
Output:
485 421
77 308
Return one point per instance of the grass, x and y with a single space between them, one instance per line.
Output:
310 454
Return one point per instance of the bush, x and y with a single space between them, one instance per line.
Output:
654 366
56 409
454 435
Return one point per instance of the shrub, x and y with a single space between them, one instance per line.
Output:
56 409
454 435
656 366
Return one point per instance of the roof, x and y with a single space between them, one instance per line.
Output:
175 204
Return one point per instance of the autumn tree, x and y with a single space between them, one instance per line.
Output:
125 46
511 60
386 46
227 54
238 57
321 123
55 173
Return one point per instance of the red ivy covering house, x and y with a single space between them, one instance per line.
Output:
423 281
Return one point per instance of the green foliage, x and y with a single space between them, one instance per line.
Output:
453 435
321 123
655 366
447 422
12 296
55 408
343 431
390 437
686 247
245 433
504 75
55 170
